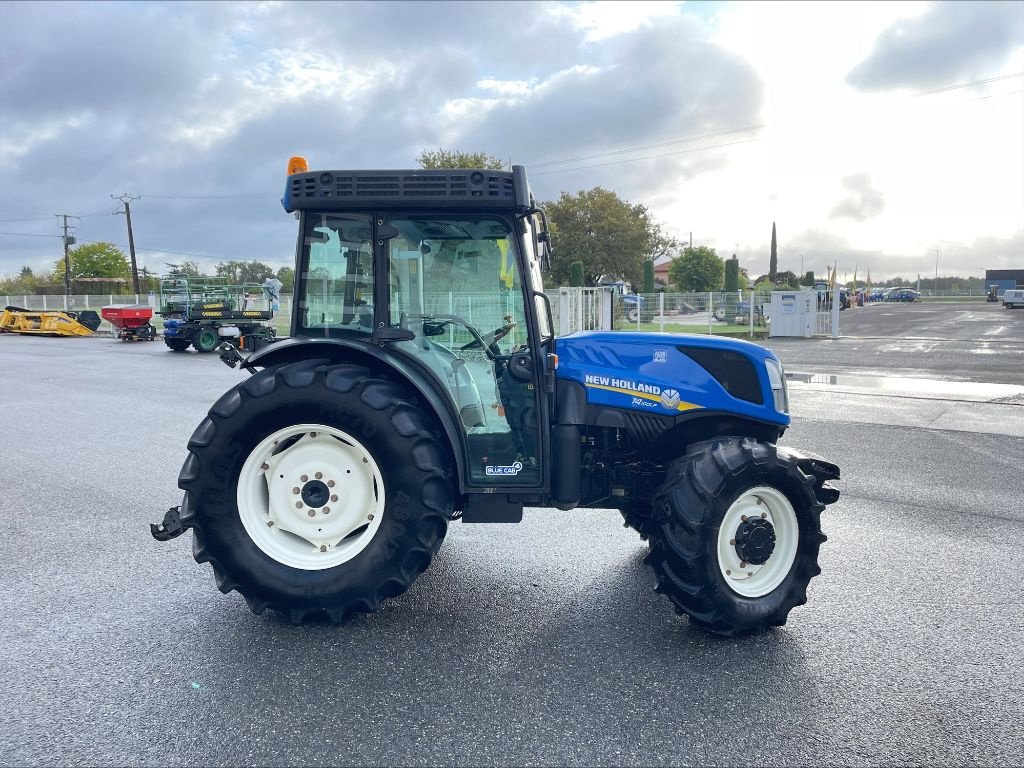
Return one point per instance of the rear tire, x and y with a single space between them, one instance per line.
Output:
390 490
726 501
206 339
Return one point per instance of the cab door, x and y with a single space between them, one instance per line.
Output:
455 283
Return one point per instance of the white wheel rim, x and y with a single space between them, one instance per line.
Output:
310 496
772 506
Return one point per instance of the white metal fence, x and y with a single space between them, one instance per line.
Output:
586 309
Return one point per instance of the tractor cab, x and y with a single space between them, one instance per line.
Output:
437 273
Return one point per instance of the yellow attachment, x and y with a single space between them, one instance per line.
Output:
297 165
41 323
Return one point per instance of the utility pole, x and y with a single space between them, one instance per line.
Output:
126 199
69 239
935 287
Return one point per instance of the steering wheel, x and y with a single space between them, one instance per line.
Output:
490 338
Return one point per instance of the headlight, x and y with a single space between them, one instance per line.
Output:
777 380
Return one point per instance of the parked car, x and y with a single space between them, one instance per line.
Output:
825 299
904 294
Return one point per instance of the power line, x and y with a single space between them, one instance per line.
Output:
212 197
27 218
968 85
150 250
647 146
647 157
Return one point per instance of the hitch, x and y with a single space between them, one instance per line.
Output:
229 355
170 528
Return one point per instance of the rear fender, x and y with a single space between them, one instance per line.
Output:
378 358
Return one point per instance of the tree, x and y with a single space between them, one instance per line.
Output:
26 272
609 235
648 276
773 262
238 272
808 279
732 274
287 277
448 158
576 274
697 269
94 260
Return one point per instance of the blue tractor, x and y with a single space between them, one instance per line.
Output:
424 384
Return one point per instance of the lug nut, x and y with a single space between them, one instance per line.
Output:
327 510
732 542
742 517
764 515
330 483
311 512
370 516
728 573
743 564
334 498
323 547
298 505
318 475
312 434
750 573
270 523
760 502
295 489
304 478
264 465
365 461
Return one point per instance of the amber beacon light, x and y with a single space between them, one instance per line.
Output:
297 165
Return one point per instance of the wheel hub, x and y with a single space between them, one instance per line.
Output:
315 493
755 540
311 496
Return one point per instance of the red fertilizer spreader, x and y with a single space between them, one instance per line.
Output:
131 321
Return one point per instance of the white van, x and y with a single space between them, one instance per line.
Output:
1013 298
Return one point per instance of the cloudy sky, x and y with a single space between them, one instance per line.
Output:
874 135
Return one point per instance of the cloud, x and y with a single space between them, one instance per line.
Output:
950 42
817 249
198 111
863 201
658 83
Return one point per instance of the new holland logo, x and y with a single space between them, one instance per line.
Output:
670 398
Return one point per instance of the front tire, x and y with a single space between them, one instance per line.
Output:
373 492
735 535
176 345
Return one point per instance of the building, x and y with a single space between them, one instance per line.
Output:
661 265
1004 278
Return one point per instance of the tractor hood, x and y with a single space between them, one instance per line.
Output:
669 373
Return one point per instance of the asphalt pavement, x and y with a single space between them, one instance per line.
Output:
534 644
